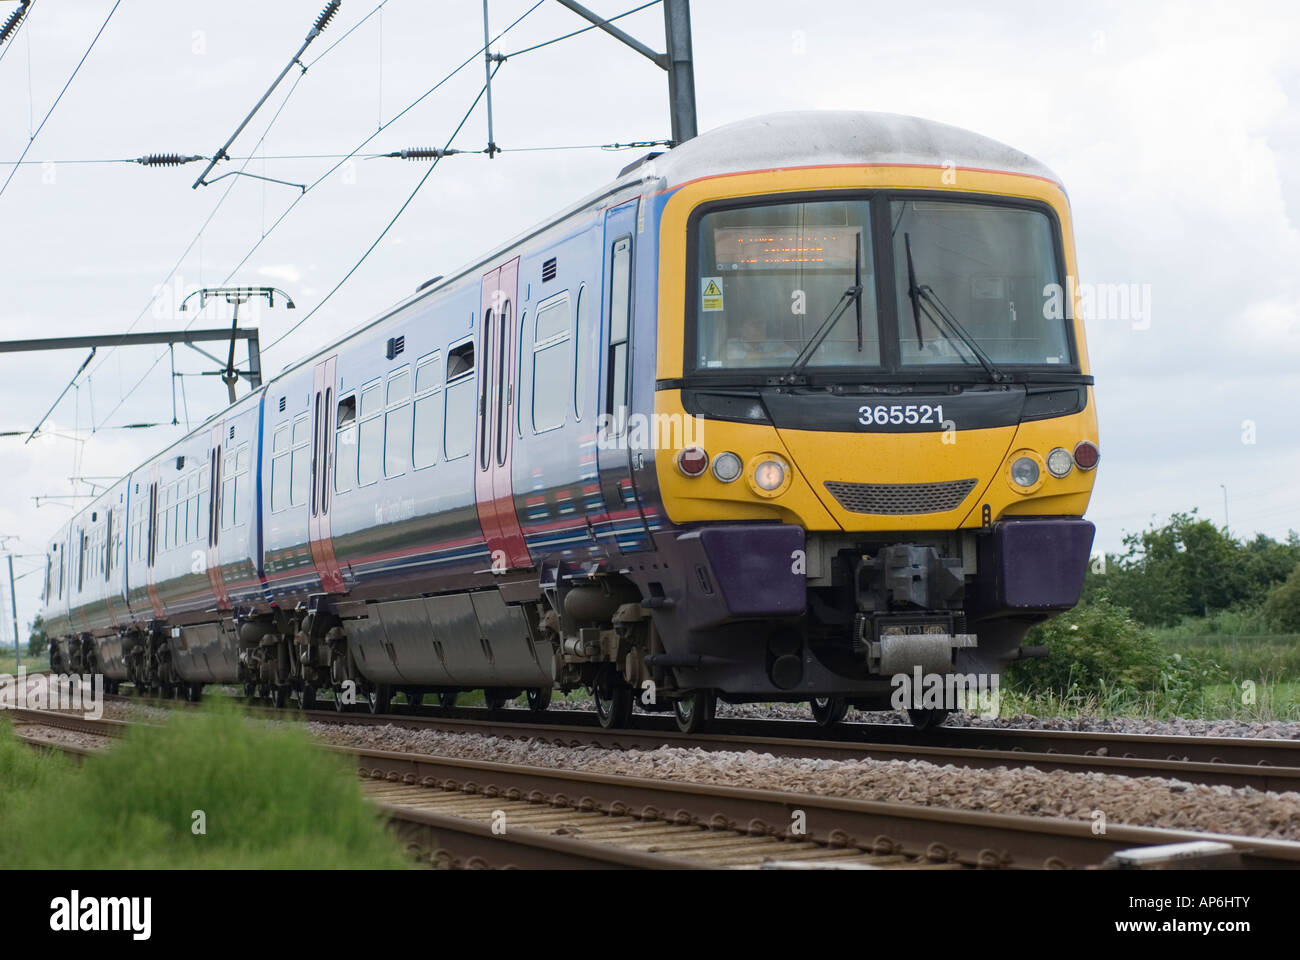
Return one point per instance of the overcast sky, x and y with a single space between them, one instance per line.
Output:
1173 126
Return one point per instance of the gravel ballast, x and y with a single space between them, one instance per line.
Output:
1271 729
1139 801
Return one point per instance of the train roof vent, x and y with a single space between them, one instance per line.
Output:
548 270
282 404
395 346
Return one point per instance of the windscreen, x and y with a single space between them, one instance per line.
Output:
772 277
980 278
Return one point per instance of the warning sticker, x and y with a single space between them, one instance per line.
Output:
711 292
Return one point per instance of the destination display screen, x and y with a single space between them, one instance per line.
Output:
778 248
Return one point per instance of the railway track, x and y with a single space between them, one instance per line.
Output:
472 813
1272 765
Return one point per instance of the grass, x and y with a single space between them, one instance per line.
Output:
9 663
269 798
1269 664
1278 700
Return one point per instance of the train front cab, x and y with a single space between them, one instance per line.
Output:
879 492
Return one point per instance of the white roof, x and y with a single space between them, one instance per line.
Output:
824 137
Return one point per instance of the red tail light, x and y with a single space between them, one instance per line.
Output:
693 461
1086 455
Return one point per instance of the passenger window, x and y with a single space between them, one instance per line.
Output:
458 397
550 364
620 298
503 385
300 469
428 373
584 351
370 442
397 424
428 411
399 387
345 446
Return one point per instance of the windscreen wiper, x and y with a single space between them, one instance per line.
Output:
918 292
852 295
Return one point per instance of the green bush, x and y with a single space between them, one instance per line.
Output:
1098 650
1282 607
37 641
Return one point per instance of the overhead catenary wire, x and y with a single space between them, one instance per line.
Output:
321 23
356 150
181 259
547 43
632 144
400 210
296 200
208 220
49 112
352 154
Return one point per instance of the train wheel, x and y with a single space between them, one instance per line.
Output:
539 698
380 697
447 701
927 719
828 711
493 700
695 711
193 692
278 695
307 697
612 697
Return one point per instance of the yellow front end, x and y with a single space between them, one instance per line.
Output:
816 457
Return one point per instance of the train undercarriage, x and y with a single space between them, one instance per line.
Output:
834 621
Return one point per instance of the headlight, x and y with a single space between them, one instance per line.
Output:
1060 462
727 466
1024 472
769 475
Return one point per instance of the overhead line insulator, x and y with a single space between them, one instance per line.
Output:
326 16
421 153
165 160
15 18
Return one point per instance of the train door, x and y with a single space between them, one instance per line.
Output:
151 574
322 471
624 522
216 464
493 489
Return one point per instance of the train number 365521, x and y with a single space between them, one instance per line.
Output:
897 414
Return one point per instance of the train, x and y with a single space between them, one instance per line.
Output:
781 414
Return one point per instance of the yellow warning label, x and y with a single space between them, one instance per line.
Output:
712 293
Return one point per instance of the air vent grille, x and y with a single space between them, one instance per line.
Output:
395 346
232 431
548 270
896 499
282 404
